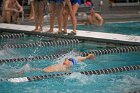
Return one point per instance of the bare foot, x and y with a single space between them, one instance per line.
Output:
37 30
31 18
34 30
49 31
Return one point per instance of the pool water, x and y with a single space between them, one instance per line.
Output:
128 28
110 83
122 82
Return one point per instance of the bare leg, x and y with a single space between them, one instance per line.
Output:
65 18
41 14
32 12
22 71
59 15
52 15
36 6
15 17
7 17
73 16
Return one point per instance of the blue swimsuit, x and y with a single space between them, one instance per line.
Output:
56 1
75 1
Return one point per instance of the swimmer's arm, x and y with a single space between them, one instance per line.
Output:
89 56
80 59
101 22
100 19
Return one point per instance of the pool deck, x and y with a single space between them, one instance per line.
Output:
80 33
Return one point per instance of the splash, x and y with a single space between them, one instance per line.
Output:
125 84
78 77
9 72
8 52
71 54
25 68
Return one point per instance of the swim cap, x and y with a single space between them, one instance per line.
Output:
73 61
88 3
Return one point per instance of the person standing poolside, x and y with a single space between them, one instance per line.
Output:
61 67
11 11
56 8
72 12
39 7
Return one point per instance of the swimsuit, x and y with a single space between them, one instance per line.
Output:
73 61
75 1
56 1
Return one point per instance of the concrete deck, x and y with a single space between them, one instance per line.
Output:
80 33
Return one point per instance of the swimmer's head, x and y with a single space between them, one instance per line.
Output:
67 62
92 10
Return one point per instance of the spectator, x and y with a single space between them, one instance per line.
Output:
56 9
39 7
11 11
72 12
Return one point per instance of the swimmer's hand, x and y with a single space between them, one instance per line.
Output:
91 56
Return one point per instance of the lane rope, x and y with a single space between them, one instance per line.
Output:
91 72
95 52
112 51
43 44
12 36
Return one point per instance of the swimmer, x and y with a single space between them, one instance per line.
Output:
61 67
94 18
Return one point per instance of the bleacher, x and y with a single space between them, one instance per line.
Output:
114 3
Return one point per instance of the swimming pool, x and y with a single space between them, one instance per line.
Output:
128 28
123 82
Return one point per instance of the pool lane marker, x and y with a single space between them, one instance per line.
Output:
96 52
112 51
12 36
43 44
91 72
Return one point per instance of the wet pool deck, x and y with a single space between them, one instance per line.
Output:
80 33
